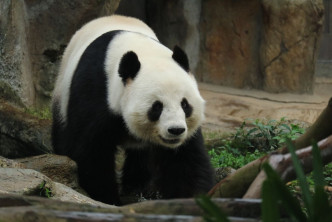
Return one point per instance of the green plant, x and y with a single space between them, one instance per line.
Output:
276 194
228 158
44 190
285 132
253 140
328 174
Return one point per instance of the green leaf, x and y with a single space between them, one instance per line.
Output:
318 166
307 199
287 127
270 208
322 210
212 212
252 131
289 203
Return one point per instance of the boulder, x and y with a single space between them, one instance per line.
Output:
33 35
288 52
29 182
22 134
58 168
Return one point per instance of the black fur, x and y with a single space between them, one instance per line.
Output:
155 111
129 66
181 58
175 173
187 108
92 133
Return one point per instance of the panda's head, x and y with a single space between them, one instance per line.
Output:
161 102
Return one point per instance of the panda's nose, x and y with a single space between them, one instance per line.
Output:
176 131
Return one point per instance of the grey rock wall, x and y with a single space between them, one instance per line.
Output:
33 35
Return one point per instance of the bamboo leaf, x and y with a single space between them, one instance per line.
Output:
270 209
317 166
212 212
307 199
322 210
289 203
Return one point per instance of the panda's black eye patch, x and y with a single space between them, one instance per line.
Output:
187 108
155 111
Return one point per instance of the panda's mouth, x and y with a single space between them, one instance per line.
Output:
170 141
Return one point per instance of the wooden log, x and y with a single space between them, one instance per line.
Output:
28 208
282 163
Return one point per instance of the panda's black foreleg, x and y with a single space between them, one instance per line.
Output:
135 174
185 171
97 176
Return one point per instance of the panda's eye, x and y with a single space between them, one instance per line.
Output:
155 111
187 109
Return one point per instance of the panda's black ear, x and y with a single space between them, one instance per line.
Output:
129 66
181 58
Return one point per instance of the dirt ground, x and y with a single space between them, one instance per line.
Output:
227 108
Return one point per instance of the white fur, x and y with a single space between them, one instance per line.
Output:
80 41
159 78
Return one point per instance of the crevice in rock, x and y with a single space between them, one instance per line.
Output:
53 55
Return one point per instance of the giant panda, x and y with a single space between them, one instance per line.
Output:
118 86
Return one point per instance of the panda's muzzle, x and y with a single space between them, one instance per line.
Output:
174 135
170 141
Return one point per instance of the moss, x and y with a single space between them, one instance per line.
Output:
9 94
44 113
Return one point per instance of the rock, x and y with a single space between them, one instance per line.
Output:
21 181
33 37
59 169
229 43
179 25
7 163
291 30
22 134
32 183
126 8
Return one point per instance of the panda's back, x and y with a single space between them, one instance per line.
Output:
97 27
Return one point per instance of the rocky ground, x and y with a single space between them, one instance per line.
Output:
227 108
